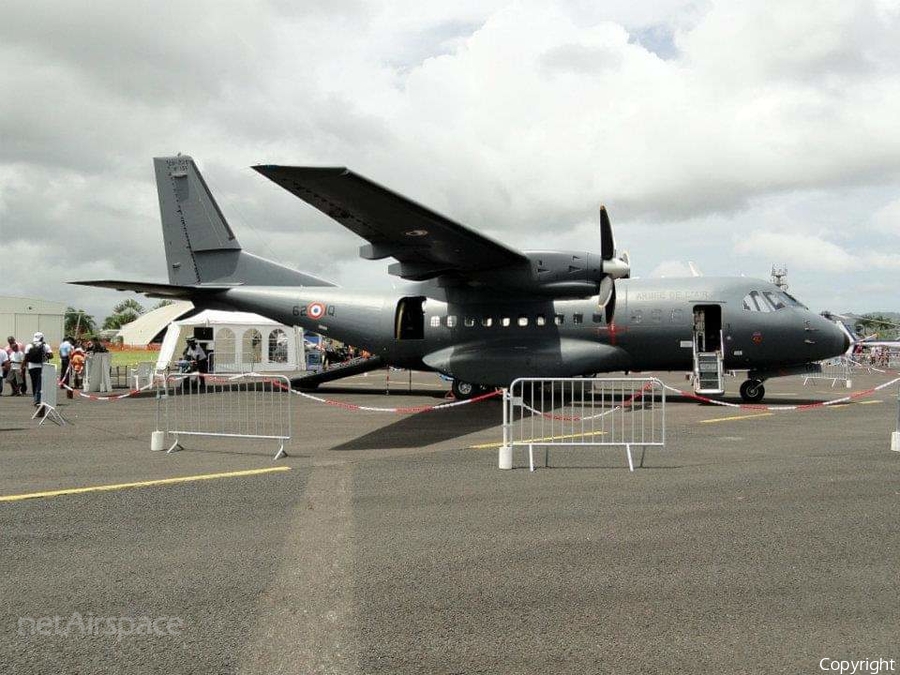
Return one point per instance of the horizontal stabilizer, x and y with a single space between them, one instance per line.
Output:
158 290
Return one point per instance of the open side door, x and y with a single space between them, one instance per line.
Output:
708 355
409 321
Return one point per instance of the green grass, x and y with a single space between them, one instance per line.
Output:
127 357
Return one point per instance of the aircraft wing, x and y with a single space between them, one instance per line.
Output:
156 290
425 243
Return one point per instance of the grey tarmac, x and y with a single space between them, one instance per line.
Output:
754 543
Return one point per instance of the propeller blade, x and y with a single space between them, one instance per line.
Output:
607 242
606 298
611 307
606 289
627 260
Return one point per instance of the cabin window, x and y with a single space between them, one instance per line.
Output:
435 322
522 320
559 319
596 317
469 322
656 316
451 321
540 320
487 321
637 316
505 321
578 317
677 315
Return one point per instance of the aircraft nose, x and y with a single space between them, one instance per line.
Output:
846 341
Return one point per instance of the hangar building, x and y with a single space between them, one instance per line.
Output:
23 317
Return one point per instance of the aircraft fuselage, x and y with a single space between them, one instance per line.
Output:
491 342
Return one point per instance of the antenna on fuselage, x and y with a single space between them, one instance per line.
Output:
779 274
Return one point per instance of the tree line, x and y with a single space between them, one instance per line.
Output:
81 325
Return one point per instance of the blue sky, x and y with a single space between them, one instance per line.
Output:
734 135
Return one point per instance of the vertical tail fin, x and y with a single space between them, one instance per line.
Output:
200 246
191 220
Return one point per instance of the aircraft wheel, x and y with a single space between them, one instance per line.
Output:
753 391
463 390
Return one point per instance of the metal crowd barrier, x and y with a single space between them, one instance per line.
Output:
582 412
836 370
239 406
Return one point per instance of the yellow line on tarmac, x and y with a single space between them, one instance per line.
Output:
486 446
839 405
869 402
146 483
735 417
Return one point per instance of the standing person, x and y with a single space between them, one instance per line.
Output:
4 368
36 353
12 342
65 351
16 361
77 365
195 354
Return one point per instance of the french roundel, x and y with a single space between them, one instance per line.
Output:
315 310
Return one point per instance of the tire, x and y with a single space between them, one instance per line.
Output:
462 391
753 391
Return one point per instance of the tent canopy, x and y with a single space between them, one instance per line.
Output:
241 342
147 326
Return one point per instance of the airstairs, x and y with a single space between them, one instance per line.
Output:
708 373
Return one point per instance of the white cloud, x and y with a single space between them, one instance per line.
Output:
671 268
797 250
887 219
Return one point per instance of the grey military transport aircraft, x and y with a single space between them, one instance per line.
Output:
479 311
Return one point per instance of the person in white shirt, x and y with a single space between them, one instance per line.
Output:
12 343
36 352
65 351
195 354
16 377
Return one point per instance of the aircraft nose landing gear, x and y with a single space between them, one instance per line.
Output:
753 391
463 391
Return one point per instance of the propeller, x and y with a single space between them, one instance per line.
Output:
612 267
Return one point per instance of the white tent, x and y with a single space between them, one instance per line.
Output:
241 343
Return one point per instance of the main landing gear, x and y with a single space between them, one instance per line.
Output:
753 391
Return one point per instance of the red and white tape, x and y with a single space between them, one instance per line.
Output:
565 418
401 411
92 397
806 406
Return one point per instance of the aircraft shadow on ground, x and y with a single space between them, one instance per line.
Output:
426 428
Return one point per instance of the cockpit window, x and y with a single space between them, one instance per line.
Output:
767 301
774 300
791 301
755 302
